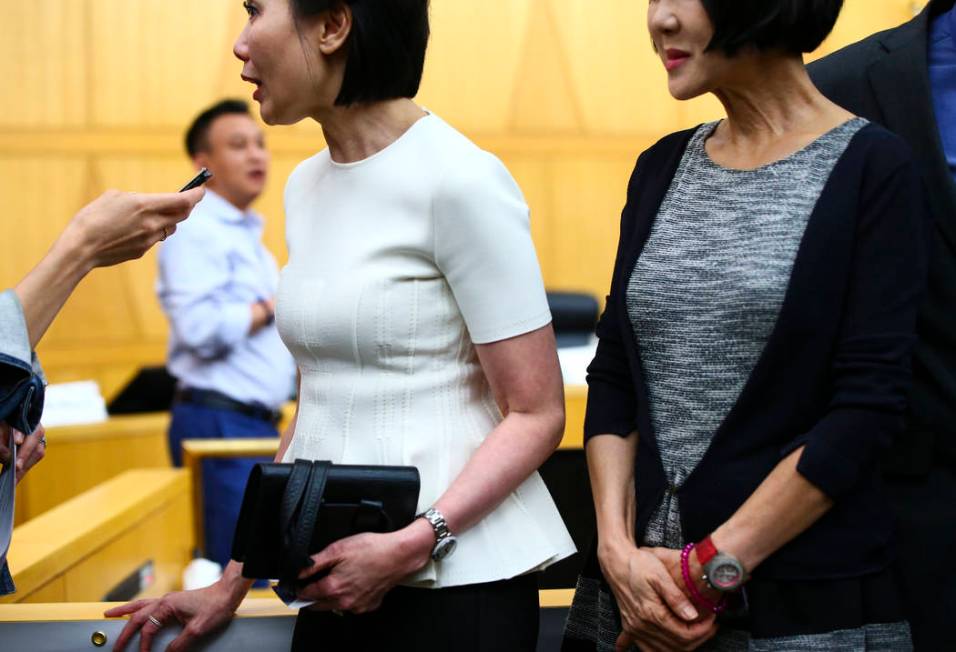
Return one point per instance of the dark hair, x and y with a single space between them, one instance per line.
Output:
197 137
386 48
791 26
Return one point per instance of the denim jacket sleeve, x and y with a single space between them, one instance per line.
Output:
21 378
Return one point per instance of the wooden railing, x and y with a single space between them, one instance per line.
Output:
140 522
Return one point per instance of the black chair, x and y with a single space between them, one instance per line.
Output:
151 390
574 315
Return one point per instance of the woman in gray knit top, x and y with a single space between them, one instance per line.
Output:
753 357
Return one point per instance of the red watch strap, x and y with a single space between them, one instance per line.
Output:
706 550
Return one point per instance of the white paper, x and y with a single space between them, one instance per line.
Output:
575 360
68 404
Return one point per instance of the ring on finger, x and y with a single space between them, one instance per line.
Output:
156 621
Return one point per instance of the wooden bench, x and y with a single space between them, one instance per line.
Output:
140 522
81 457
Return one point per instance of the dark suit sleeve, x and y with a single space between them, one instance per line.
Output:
870 373
612 406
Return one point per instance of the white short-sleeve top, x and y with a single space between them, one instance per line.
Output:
398 265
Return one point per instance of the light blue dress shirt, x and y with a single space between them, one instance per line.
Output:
942 78
210 272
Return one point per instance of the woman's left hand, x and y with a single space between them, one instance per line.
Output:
364 567
671 560
30 450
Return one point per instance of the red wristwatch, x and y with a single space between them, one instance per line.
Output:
706 550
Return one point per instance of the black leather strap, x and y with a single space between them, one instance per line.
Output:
289 510
309 514
300 512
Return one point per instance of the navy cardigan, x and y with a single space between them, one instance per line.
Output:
833 376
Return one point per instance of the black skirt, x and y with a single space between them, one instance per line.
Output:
494 617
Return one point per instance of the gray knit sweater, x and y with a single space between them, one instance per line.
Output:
708 287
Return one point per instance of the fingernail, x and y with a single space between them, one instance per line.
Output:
689 612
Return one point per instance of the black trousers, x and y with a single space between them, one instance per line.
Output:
493 617
925 509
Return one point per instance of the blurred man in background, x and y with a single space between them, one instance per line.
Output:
217 284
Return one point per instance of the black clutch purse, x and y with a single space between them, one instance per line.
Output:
292 511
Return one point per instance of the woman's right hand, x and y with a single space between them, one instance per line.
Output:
121 226
201 612
655 613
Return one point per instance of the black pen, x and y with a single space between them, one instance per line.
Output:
201 178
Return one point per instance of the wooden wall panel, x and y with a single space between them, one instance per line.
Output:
473 60
98 92
589 193
155 62
38 193
43 52
620 83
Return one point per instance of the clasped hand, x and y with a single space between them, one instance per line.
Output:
656 612
30 450
360 570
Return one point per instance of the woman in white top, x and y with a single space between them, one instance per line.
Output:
415 309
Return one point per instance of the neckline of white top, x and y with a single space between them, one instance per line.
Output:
392 145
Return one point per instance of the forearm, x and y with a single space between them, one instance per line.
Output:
235 587
44 291
514 450
782 507
208 325
286 439
611 468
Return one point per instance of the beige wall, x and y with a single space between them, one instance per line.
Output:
96 94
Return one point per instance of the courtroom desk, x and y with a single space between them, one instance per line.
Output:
81 457
138 522
262 623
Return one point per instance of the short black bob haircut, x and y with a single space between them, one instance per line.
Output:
197 137
386 48
789 26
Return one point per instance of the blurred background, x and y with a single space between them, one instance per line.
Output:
96 94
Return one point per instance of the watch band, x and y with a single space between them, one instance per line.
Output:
706 550
445 541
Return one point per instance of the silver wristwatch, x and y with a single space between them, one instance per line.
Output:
445 541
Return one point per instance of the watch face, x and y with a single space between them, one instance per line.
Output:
444 548
726 576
